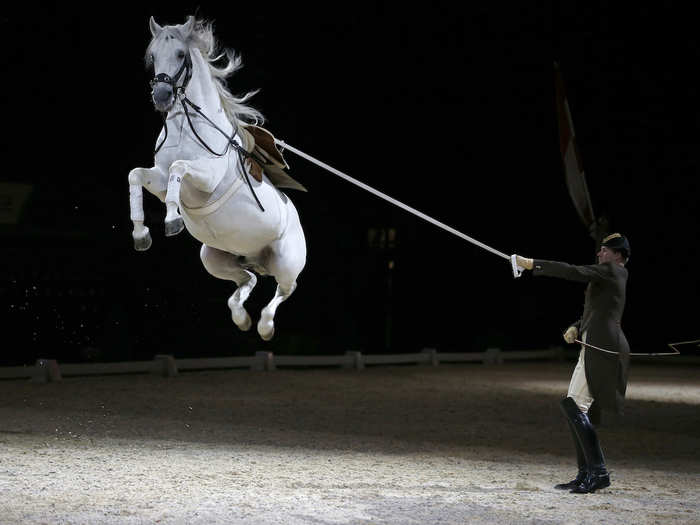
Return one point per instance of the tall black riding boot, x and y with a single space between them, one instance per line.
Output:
597 477
580 459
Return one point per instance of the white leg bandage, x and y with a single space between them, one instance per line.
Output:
136 202
173 193
578 387
172 197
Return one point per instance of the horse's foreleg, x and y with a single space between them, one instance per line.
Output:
173 220
141 233
225 266
151 179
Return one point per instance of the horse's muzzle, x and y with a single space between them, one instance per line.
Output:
163 96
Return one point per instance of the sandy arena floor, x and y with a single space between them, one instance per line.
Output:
401 445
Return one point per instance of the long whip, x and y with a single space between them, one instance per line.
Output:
647 354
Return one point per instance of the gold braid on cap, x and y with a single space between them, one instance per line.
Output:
612 236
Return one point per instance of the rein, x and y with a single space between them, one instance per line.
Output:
180 90
239 149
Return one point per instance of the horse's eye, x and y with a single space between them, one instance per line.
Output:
180 54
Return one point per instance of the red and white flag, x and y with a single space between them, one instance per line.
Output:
573 167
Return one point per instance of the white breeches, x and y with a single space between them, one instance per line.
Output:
578 387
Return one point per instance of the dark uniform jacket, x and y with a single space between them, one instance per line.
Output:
606 373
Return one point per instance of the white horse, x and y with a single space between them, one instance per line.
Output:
201 168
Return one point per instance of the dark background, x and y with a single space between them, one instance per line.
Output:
450 110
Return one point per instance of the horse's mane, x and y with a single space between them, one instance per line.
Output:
235 108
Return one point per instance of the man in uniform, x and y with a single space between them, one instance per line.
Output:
599 375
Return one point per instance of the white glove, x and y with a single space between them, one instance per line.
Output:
570 334
523 262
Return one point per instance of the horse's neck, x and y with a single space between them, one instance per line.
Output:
202 91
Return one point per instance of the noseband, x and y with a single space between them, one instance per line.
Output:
186 67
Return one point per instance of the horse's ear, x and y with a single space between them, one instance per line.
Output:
187 27
155 28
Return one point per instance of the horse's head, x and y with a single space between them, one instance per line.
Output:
169 54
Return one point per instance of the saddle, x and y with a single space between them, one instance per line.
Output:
266 158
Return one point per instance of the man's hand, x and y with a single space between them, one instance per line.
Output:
523 262
571 334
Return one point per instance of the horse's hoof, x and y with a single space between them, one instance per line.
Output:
143 243
243 322
245 326
174 227
268 336
266 329
239 315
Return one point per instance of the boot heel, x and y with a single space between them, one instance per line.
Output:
580 478
591 484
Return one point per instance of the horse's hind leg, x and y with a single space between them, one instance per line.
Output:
154 181
287 260
266 325
225 265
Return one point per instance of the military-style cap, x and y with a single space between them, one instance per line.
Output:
618 243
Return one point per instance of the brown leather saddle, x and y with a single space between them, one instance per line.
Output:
265 157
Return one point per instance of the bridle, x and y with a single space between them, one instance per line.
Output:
186 67
179 91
